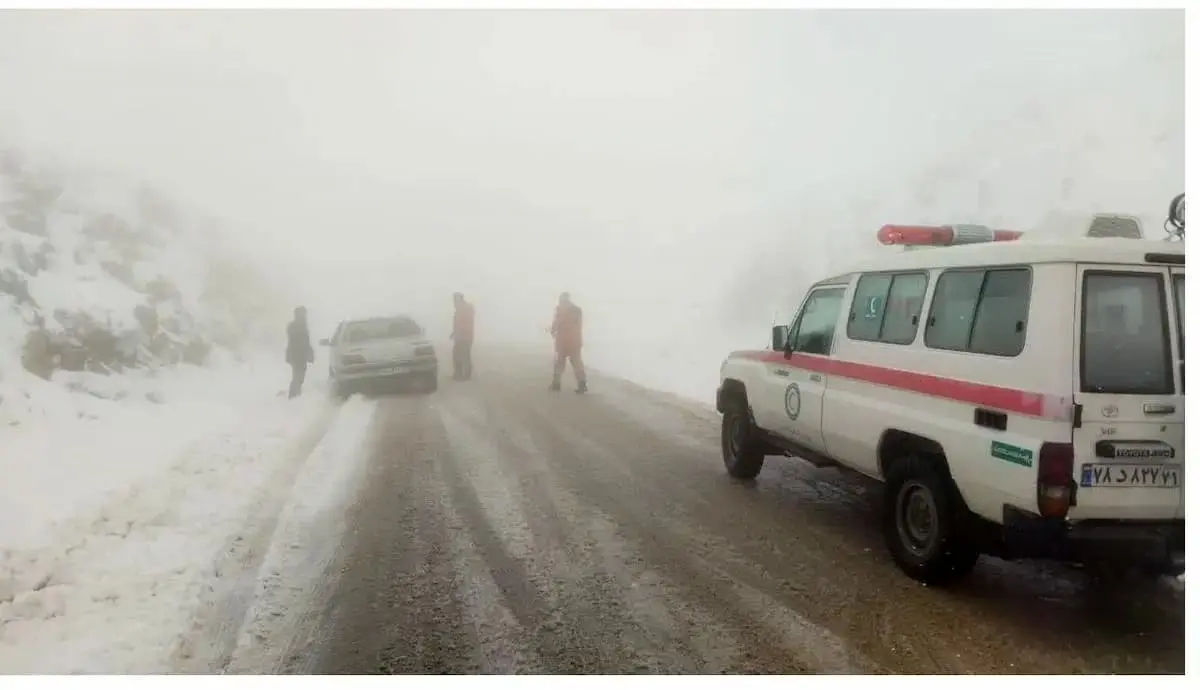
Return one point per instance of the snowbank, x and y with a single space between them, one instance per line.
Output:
115 515
295 579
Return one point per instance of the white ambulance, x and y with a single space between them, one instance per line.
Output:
1018 397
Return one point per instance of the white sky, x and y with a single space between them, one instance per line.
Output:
683 174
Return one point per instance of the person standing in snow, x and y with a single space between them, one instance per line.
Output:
299 349
463 336
567 330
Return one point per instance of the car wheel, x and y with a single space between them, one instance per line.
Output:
431 383
741 447
926 524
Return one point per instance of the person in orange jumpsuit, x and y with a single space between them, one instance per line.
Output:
567 330
463 337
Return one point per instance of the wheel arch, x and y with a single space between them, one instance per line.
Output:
898 443
730 391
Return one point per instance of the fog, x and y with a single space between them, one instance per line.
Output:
684 175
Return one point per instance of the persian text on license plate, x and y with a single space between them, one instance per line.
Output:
1111 474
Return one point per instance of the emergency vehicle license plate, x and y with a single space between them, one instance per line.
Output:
1121 475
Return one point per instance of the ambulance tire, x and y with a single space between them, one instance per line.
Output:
741 445
925 523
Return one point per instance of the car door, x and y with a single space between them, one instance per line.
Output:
1130 432
799 381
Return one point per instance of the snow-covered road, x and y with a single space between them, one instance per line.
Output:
226 529
135 535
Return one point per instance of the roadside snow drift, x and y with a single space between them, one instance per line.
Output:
116 529
295 577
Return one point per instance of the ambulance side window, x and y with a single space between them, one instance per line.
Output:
904 304
887 307
1001 314
952 310
813 331
867 310
980 310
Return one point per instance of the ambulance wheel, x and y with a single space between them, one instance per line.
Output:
925 523
741 447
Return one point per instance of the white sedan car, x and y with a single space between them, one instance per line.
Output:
368 352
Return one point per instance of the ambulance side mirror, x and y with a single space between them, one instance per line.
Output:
779 336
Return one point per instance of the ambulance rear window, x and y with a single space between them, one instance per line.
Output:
1126 343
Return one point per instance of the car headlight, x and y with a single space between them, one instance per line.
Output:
424 350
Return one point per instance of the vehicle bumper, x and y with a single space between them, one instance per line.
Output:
1155 545
392 370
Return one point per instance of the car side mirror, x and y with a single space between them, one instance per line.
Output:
779 336
325 342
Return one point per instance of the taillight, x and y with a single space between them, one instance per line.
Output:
1055 479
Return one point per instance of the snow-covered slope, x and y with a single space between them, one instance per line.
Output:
99 276
139 492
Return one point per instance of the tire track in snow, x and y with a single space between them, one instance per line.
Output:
416 596
576 616
708 577
667 634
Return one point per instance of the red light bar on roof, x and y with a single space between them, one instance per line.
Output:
942 235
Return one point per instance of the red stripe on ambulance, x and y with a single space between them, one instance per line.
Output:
993 397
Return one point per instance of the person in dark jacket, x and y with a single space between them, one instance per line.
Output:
567 330
299 349
463 336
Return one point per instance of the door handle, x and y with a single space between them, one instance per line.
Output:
782 372
1158 408
816 378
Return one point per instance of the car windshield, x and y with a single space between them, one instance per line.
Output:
380 329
